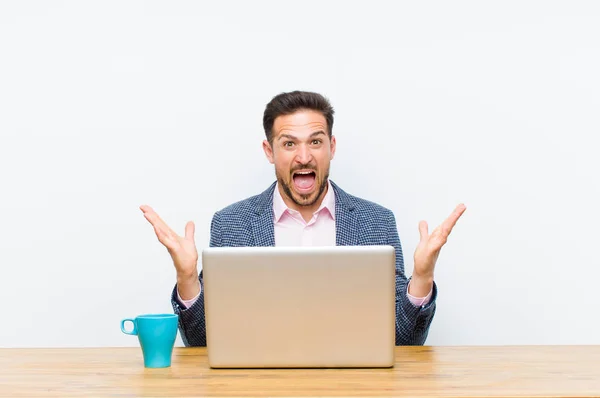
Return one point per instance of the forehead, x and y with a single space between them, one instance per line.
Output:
299 123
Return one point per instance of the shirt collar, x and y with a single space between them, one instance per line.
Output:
279 206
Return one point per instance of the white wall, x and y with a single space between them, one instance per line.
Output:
108 105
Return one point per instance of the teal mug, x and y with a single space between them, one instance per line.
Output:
156 334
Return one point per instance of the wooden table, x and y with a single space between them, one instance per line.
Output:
419 371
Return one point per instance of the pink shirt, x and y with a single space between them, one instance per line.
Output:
292 230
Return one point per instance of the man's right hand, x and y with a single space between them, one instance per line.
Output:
182 250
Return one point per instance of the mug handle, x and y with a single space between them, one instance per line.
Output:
133 332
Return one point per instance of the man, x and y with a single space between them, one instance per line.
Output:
304 208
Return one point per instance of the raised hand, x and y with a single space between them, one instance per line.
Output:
428 250
182 250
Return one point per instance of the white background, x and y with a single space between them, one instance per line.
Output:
107 105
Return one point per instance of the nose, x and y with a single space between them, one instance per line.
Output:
303 154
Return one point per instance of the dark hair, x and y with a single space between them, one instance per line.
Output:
288 103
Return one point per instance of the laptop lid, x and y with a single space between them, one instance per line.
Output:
300 306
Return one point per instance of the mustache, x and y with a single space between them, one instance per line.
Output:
304 167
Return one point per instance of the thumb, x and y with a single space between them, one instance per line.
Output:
423 230
189 230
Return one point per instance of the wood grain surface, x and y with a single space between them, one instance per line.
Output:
475 371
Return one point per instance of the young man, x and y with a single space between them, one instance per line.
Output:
304 208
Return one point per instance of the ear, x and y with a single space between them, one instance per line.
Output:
268 151
332 147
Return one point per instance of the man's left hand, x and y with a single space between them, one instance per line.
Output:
428 250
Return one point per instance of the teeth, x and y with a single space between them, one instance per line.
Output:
304 172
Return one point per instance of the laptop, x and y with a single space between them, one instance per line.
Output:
299 307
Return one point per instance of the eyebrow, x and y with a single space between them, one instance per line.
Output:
291 137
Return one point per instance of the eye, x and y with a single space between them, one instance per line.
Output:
316 142
288 144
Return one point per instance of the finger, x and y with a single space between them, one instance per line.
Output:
161 229
423 230
155 219
450 222
146 208
150 214
189 230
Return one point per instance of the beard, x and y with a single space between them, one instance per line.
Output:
302 199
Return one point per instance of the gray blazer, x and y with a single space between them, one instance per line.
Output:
357 222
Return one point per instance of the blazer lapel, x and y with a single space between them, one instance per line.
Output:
263 228
346 219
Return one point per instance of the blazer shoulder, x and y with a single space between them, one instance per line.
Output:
240 208
248 206
367 207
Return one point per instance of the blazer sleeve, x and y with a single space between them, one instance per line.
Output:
412 322
192 326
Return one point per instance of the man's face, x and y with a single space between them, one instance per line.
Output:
301 152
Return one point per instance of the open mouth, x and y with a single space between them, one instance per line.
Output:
304 180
